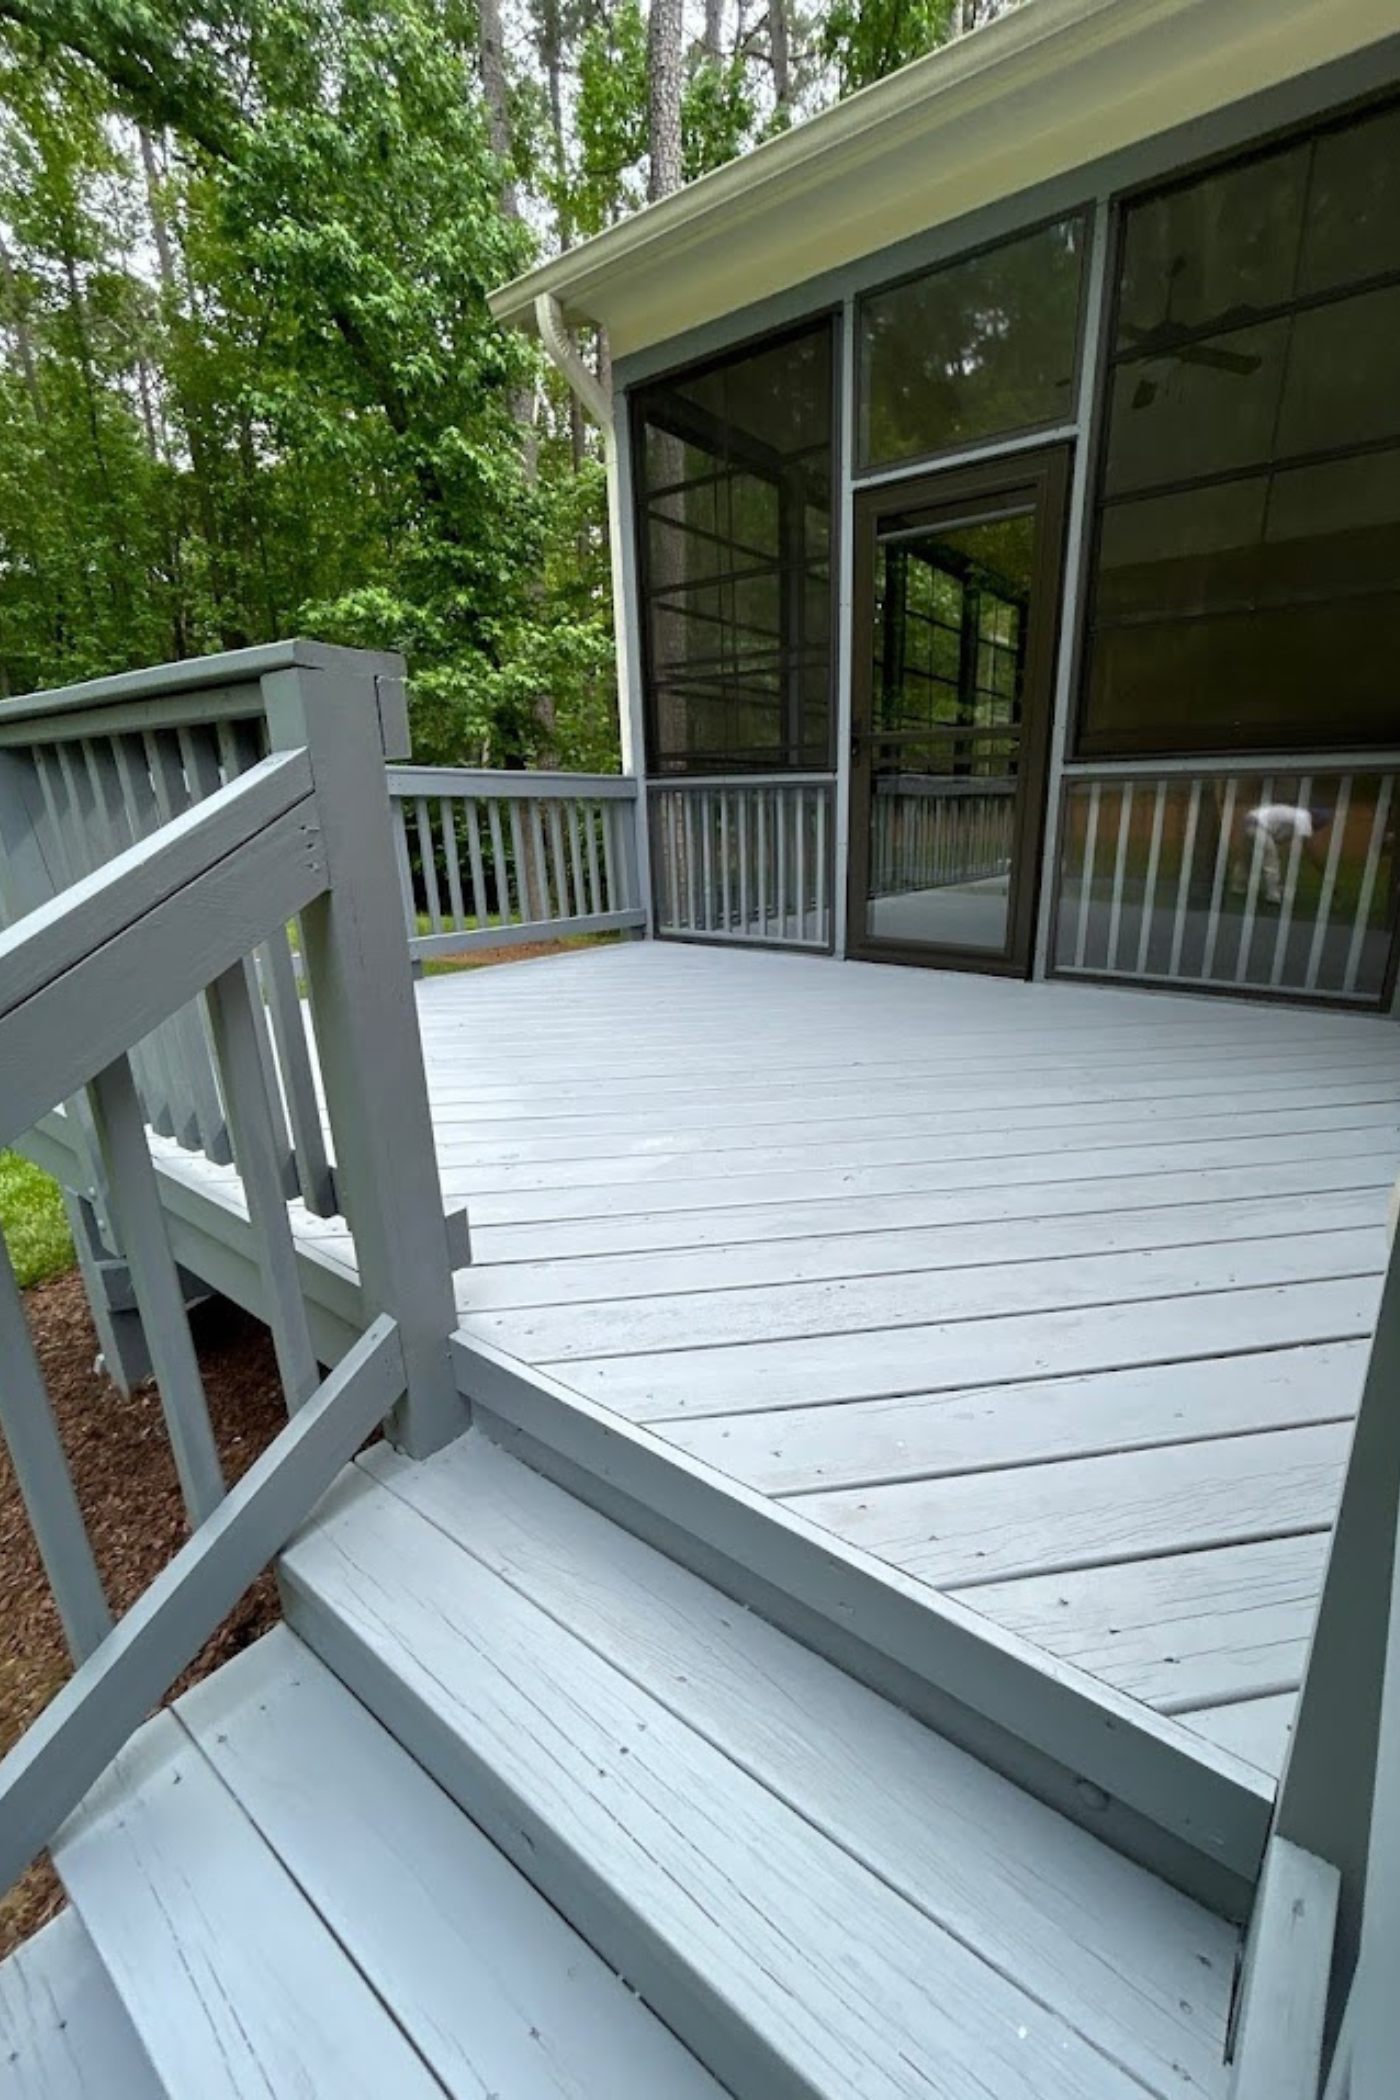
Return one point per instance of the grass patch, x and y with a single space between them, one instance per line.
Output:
32 1220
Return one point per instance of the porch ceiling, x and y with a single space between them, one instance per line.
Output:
1051 87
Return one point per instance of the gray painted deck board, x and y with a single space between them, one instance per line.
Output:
915 1296
671 1836
230 1978
1184 1631
828 1226
1116 1952
498 1993
1256 1729
869 1363
803 1451
1095 1512
64 2034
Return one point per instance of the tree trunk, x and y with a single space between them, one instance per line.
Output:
497 92
780 51
664 31
714 27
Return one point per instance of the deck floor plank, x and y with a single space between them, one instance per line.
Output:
708 1760
798 1453
842 1230
986 1278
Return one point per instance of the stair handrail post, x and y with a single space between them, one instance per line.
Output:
1336 1798
346 709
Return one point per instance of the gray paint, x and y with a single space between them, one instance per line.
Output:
985 1689
489 1983
678 1862
1119 1956
1278 2039
64 2033
80 1732
362 1003
228 1975
41 1469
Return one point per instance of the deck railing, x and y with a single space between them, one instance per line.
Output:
81 781
493 859
1175 876
929 833
1317 2017
169 922
747 860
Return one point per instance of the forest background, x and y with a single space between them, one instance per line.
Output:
249 386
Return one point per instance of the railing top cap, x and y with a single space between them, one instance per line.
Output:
234 667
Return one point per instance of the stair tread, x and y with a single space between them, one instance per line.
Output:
64 2034
496 1991
705 1799
230 1978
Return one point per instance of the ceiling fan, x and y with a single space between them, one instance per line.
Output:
1172 339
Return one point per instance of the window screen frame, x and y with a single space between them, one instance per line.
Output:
1081 752
1046 428
829 316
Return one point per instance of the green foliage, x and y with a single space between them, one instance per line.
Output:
32 1221
611 118
249 384
866 39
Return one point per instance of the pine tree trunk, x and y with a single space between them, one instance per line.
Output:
491 46
664 99
780 51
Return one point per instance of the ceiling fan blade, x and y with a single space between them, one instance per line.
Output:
1240 362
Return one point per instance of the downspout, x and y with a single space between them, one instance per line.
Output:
598 404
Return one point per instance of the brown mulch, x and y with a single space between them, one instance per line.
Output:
125 1479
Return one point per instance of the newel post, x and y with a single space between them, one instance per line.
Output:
345 708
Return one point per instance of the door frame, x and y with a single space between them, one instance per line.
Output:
1042 478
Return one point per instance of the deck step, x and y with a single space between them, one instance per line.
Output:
288 1904
64 2034
820 1895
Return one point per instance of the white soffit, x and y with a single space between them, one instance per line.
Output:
1050 87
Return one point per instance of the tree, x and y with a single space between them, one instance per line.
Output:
665 81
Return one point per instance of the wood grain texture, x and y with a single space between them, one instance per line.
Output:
232 1982
868 1364
913 1297
1198 1820
64 2034
1186 1631
1256 1729
1116 1952
909 1253
1278 2053
1097 1512
83 1727
490 1984
681 1868
806 1450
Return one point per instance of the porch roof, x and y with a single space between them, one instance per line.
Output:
1050 87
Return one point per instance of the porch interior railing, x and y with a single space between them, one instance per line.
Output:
1177 877
164 855
931 833
745 860
489 860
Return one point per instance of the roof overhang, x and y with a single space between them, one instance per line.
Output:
1049 88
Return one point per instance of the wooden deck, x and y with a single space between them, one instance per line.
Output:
1055 1298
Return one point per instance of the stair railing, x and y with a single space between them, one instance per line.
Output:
168 925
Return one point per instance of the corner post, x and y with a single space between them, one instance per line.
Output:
343 707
